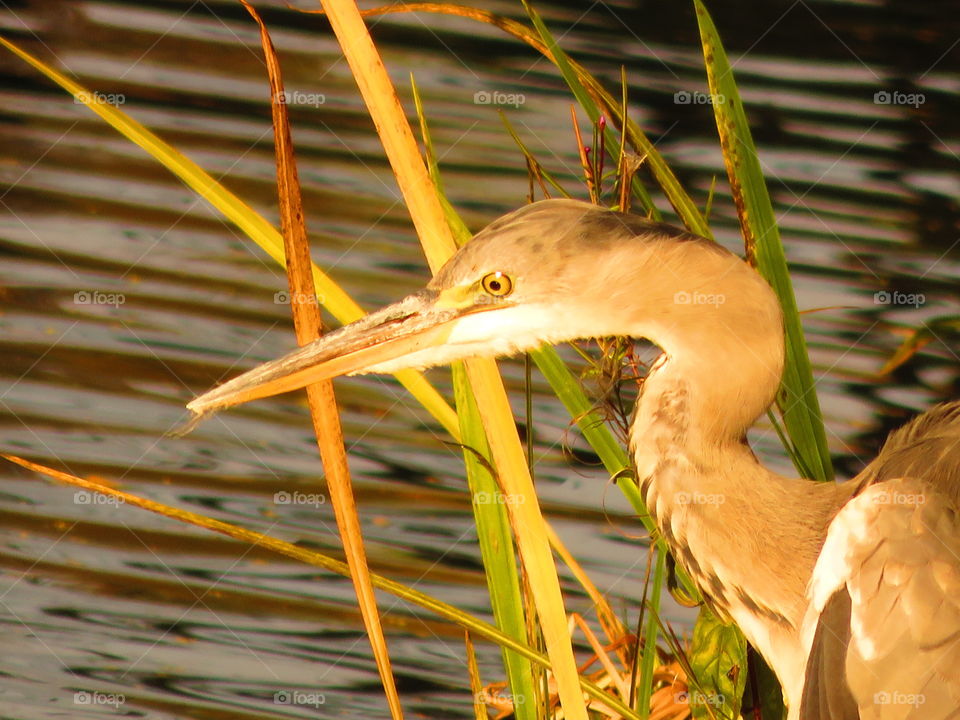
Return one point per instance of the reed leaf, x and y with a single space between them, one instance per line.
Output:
497 549
797 399
324 413
650 632
430 220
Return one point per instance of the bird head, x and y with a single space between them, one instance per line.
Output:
552 271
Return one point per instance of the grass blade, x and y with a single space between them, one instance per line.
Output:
473 669
496 544
586 102
916 338
797 399
649 657
596 432
430 220
320 396
497 549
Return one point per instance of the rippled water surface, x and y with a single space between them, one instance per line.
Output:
122 295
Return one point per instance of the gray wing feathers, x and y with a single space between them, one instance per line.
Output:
904 656
824 698
895 551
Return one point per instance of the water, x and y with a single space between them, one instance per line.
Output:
123 296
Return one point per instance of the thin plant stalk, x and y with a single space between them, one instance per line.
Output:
494 408
321 400
497 550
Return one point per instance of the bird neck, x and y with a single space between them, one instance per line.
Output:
719 324
720 369
747 536
702 485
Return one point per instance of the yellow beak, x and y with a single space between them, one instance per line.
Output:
418 322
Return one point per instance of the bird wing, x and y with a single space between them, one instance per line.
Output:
883 626
927 448
884 622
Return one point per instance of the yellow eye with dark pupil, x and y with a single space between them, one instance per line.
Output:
497 284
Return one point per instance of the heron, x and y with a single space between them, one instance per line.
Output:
850 591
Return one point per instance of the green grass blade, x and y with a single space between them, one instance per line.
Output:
495 537
797 399
568 389
933 329
254 225
578 79
531 160
496 544
597 433
649 658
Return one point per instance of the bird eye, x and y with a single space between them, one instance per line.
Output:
497 284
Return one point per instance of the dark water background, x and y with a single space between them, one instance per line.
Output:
100 598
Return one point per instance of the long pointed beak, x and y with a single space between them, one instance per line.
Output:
399 330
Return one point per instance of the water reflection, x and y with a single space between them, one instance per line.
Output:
103 598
